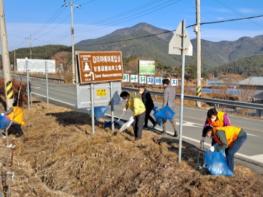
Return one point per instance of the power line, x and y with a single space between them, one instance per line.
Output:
85 2
232 20
137 12
49 21
130 12
141 10
234 11
170 31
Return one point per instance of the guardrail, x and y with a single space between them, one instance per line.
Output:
56 80
246 105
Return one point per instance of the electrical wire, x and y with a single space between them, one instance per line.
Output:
142 10
234 11
137 12
170 31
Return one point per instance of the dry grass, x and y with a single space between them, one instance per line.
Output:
58 156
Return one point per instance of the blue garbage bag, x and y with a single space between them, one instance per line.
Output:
216 164
117 124
163 114
4 121
100 111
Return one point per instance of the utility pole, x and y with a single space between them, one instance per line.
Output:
29 38
198 52
72 6
9 94
14 59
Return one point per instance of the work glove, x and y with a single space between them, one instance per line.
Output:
212 148
124 109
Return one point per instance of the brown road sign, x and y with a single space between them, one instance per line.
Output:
99 66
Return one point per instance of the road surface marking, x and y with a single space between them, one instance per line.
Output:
251 135
258 158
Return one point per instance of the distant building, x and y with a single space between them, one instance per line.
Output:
256 82
258 97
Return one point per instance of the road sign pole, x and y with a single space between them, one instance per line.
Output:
47 92
92 108
112 107
27 84
180 44
182 92
198 52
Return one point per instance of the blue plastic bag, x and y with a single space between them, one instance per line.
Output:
4 121
100 111
117 124
215 162
163 114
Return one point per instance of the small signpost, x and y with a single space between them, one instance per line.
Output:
98 70
142 79
126 78
174 82
150 80
134 78
158 80
180 44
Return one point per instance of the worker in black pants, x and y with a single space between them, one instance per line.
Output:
149 105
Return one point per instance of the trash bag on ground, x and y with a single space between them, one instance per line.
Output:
215 163
163 114
99 112
117 124
4 121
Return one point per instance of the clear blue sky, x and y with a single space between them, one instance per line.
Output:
48 22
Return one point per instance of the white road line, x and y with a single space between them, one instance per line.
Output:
251 135
257 158
56 100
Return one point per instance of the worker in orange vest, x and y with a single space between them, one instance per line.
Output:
16 115
215 119
229 138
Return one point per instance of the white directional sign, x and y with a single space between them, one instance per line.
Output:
174 82
175 44
158 80
150 80
134 78
142 79
126 78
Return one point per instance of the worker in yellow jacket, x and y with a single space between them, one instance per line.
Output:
16 115
135 104
229 138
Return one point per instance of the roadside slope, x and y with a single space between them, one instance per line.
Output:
59 151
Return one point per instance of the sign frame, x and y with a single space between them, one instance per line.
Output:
91 67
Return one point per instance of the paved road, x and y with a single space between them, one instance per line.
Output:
193 123
193 119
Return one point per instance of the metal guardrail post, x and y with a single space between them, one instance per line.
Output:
112 107
28 84
92 108
245 105
47 92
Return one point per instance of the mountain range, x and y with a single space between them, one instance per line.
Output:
145 41
156 47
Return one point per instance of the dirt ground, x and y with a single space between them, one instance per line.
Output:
58 156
